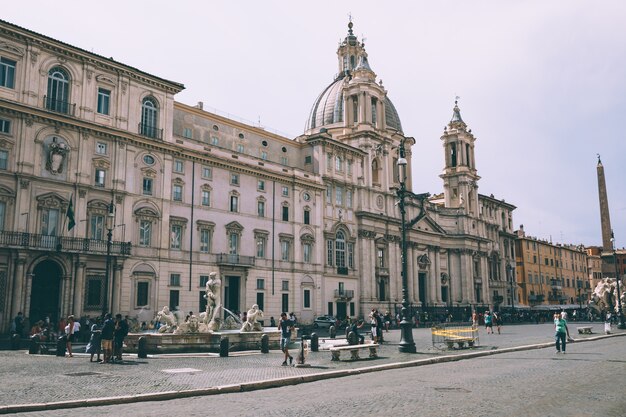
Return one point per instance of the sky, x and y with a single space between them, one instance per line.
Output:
542 84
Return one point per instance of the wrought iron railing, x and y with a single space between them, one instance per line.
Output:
234 259
62 243
59 106
150 131
344 294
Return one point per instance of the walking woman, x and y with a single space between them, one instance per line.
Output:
94 346
71 329
561 331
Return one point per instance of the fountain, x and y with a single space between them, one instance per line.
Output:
203 333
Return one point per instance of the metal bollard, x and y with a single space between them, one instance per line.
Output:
332 331
33 346
315 343
142 347
61 345
224 345
265 344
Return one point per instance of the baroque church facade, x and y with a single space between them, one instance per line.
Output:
163 193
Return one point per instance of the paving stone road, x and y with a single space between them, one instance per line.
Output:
39 379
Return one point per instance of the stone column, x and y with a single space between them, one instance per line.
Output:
116 286
18 287
79 286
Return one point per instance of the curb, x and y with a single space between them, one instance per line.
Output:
274 383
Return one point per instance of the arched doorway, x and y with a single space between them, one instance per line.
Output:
45 292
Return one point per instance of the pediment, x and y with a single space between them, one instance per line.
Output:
104 79
235 226
101 163
52 200
6 47
429 225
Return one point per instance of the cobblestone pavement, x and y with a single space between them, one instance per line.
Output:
587 381
42 378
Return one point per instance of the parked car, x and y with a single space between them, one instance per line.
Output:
324 321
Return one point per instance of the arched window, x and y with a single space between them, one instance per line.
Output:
149 118
340 249
57 98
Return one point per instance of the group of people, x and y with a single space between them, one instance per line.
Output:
107 338
491 319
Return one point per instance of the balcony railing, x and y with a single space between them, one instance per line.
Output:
344 294
150 131
62 243
59 106
234 259
536 298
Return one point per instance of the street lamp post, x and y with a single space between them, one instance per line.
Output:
407 345
580 298
110 220
511 280
620 315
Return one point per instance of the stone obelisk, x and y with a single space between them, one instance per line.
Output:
605 219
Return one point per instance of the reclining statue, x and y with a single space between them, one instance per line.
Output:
251 324
167 319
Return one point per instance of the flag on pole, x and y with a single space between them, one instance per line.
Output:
70 215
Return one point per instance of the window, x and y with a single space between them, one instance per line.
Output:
148 159
307 250
285 191
94 289
149 116
205 240
349 198
329 162
285 213
349 166
308 160
176 236
329 252
260 208
100 177
142 293
260 284
147 186
177 193
203 280
187 133
234 179
339 195
307 216
207 172
285 302
104 100
233 243
174 299
97 227
264 155
240 148
4 159
338 164
101 148
206 198
260 185
174 280
234 203
285 250
57 98
374 112
5 126
306 295
49 222
3 208
215 140
7 73
381 258
260 300
261 243
145 233
178 165
284 160
284 286
329 194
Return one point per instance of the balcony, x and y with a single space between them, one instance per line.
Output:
59 106
344 294
62 243
150 131
536 298
382 271
234 260
556 284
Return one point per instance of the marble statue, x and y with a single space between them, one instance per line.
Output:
604 296
190 326
57 152
213 316
251 324
167 319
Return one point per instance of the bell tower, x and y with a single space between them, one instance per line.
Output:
460 178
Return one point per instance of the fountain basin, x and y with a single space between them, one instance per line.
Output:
202 342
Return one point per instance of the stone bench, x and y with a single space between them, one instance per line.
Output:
460 341
354 351
584 330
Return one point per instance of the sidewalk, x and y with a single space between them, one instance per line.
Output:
38 379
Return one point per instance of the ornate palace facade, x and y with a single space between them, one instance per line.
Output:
307 224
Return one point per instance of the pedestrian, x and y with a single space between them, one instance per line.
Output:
94 347
607 324
120 332
356 325
108 328
497 319
488 322
561 331
387 320
272 322
71 330
292 317
373 327
18 324
474 319
285 326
